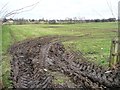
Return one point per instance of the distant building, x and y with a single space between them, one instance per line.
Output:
8 21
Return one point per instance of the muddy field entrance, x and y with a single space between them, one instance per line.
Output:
45 63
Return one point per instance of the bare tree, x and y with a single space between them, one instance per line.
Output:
110 7
4 13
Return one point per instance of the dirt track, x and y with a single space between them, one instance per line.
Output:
33 60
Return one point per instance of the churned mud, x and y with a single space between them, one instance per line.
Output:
45 63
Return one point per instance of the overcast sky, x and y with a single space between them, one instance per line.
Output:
61 9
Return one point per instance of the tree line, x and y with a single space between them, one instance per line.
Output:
54 21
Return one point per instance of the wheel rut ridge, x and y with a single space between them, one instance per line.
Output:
31 60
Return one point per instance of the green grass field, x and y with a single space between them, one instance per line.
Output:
95 43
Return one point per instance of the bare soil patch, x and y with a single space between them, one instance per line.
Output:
36 63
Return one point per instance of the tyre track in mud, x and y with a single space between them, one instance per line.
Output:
31 60
96 76
23 73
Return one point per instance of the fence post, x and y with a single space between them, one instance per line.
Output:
115 47
114 56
